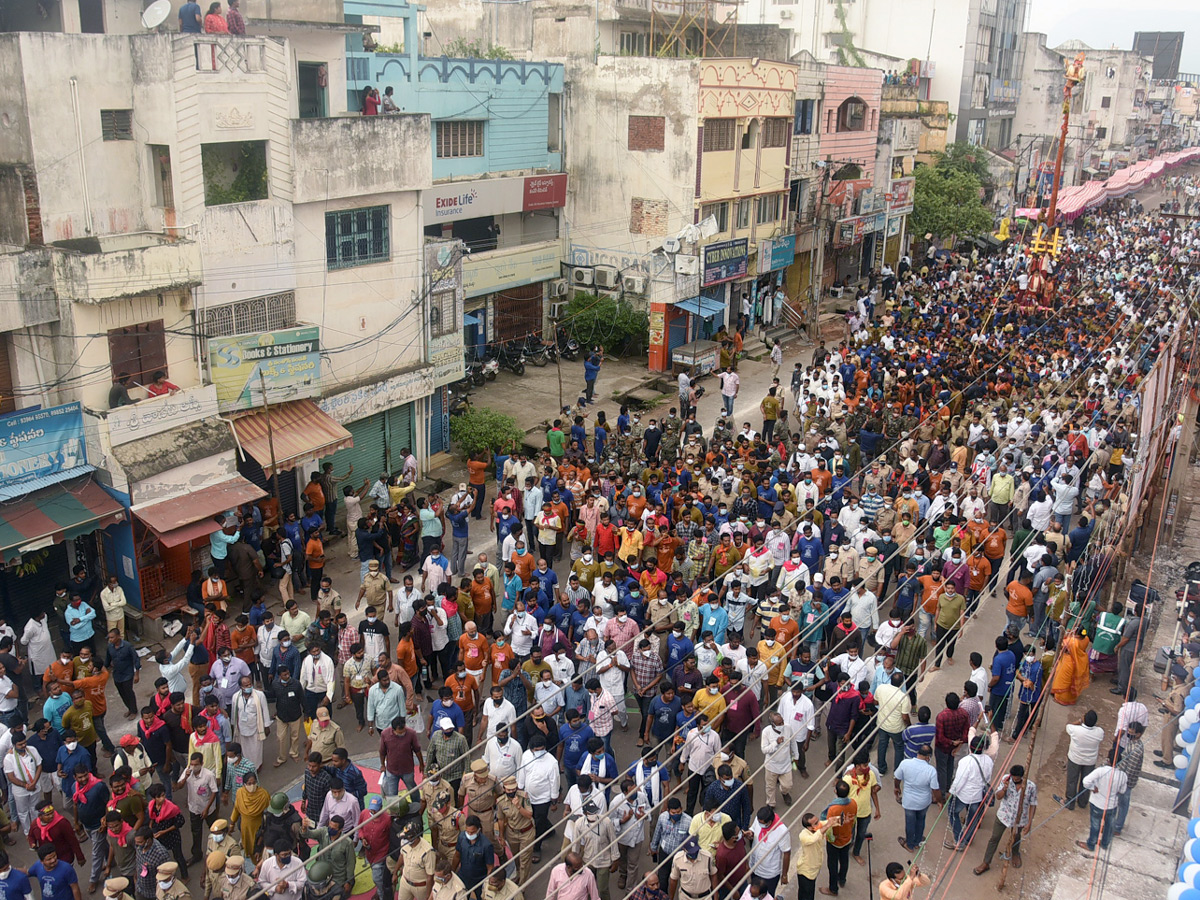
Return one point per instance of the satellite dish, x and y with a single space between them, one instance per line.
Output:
156 13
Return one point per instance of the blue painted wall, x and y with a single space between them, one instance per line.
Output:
512 96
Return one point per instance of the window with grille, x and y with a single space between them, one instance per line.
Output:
776 131
356 237
1105 102
720 212
116 124
852 115
442 318
769 208
719 134
635 43
273 312
458 140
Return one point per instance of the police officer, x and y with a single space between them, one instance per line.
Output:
418 862
117 889
447 885
321 884
498 887
514 818
432 786
220 839
479 793
444 824
169 886
232 882
693 872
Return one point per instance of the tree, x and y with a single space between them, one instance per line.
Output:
947 202
614 324
963 157
481 428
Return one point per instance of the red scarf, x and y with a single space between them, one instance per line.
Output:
155 723
166 810
41 831
766 829
80 795
122 835
115 798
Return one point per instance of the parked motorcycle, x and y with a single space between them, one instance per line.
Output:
536 351
510 355
491 367
568 347
475 372
460 402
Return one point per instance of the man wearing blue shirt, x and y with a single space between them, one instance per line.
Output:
79 618
917 788
679 648
126 670
1004 670
572 744
57 879
445 707
190 21
55 705
14 884
714 618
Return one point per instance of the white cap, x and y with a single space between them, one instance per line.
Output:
445 723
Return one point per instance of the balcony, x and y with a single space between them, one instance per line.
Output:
400 157
29 273
97 270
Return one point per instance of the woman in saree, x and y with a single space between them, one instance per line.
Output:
249 805
1072 674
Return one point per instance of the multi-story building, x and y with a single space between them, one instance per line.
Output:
966 52
498 181
176 209
1110 113
699 157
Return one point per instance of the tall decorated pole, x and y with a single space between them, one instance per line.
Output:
1047 242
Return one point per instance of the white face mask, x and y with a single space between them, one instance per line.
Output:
71 745
166 885
218 838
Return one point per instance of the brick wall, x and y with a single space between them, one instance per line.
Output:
648 216
33 205
647 133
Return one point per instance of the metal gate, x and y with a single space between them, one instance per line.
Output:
517 312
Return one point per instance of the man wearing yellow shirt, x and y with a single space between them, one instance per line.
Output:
774 656
812 855
706 828
864 791
631 543
711 702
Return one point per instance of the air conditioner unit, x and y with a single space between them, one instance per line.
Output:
558 310
583 277
634 284
687 265
607 277
671 245
785 14
558 287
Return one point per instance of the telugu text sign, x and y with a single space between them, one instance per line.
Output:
41 442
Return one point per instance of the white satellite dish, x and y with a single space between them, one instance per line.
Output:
156 13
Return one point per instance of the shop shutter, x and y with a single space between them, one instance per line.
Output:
439 426
677 330
289 493
399 434
368 453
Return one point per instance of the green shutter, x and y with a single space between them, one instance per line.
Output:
368 453
400 433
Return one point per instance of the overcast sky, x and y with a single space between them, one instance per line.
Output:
1106 23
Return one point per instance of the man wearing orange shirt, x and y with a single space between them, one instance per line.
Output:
466 694
477 468
932 587
523 562
474 649
406 652
993 549
483 598
787 632
822 477
314 493
979 570
1020 602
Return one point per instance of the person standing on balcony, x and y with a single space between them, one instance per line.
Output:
233 18
214 22
189 18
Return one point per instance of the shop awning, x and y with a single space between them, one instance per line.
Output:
59 513
298 432
701 306
469 319
187 518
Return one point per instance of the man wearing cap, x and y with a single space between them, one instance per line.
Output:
596 841
220 840
499 887
232 882
282 875
446 884
693 872
479 794
168 884
514 820
326 736
416 865
116 889
448 748
445 822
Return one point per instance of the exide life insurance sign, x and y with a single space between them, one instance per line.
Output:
494 197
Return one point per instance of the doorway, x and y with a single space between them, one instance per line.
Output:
312 80
91 16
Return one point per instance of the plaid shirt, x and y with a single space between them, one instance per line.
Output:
347 639
315 789
685 530
602 713
236 772
700 553
450 753
645 893
148 861
1132 754
645 670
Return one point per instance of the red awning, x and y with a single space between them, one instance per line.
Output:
189 517
298 432
58 513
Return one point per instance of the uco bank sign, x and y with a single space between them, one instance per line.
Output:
493 197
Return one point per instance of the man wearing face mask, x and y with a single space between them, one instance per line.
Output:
220 840
283 875
251 720
474 856
538 777
446 884
514 821
168 885
231 881
227 672
596 842
202 795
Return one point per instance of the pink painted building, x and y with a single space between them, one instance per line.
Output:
849 133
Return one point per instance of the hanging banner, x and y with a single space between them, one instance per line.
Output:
288 361
726 260
776 253
41 442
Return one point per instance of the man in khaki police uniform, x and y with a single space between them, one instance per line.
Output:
479 793
418 862
514 818
168 874
693 872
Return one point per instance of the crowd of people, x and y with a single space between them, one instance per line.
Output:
768 594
